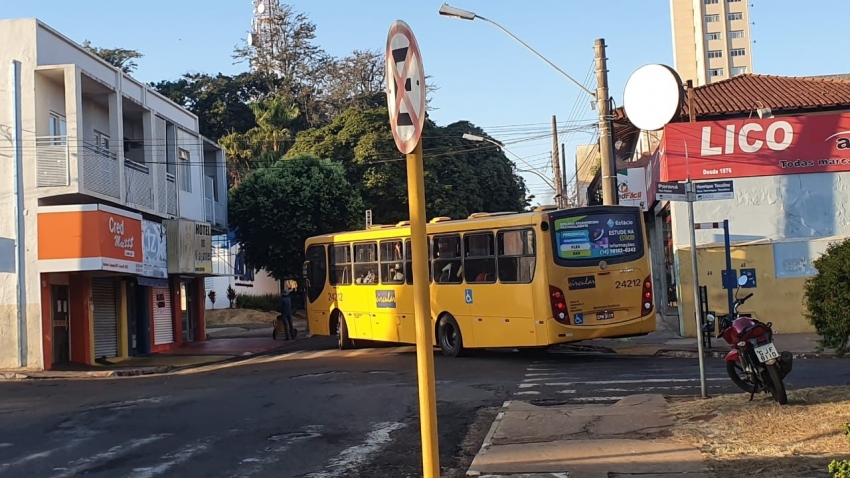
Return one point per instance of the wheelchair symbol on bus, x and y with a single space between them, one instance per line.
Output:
579 319
468 294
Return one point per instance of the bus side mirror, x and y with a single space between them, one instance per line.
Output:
308 267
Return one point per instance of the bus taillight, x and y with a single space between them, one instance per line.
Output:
647 297
559 305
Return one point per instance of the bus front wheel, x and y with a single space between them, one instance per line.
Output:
449 337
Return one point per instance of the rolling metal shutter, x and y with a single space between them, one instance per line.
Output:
105 318
163 323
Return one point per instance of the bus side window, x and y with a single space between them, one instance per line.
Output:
392 262
366 263
479 264
448 259
517 259
317 272
340 264
408 262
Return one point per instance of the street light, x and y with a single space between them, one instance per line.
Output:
447 10
606 147
472 137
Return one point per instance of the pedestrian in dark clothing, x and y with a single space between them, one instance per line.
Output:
286 314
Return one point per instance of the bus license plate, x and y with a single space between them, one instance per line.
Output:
766 352
604 315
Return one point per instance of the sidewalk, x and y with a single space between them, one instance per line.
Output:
190 355
630 438
671 344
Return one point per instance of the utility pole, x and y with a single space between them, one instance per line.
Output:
564 189
608 168
556 165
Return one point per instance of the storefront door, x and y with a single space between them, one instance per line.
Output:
61 324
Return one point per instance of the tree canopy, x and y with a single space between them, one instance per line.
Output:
460 178
117 57
276 208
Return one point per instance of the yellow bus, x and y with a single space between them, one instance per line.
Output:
518 280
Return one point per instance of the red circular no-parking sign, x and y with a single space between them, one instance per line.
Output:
405 86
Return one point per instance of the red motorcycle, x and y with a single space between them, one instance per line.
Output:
753 364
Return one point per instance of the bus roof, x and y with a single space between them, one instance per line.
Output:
438 225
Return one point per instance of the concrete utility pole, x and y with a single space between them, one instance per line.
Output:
564 181
556 165
608 168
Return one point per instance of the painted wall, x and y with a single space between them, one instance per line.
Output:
95 118
191 203
781 272
19 43
778 208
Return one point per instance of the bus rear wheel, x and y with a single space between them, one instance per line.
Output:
343 340
449 337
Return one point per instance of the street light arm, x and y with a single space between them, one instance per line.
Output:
592 94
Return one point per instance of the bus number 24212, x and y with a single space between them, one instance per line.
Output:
334 297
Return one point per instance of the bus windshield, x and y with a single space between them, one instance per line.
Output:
588 236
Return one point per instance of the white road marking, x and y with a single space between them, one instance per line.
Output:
616 382
357 353
528 392
566 391
171 460
596 399
272 455
78 466
4 445
540 369
347 462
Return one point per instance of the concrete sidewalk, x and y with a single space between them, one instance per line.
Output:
630 438
671 344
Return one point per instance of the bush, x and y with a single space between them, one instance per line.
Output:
827 297
265 303
841 469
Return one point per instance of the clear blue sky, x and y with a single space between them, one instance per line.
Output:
484 76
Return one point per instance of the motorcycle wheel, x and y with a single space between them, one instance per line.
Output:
732 368
777 388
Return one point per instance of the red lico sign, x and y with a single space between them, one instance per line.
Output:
756 147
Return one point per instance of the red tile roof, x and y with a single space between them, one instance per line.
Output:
744 93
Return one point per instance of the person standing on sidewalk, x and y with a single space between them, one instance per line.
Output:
286 313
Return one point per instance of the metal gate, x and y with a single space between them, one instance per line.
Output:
105 318
163 320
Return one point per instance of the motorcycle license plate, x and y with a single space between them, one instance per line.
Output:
766 352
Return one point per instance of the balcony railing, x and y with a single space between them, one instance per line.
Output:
172 194
51 162
215 212
99 170
139 183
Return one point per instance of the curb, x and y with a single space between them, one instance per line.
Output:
488 439
12 376
675 353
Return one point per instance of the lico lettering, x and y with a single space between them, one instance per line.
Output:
746 143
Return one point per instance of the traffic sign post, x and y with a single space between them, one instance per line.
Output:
690 192
406 104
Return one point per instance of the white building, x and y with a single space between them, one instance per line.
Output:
102 169
231 270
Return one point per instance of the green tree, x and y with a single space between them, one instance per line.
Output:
276 208
827 297
221 102
118 57
460 178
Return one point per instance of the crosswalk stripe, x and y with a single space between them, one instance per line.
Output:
78 466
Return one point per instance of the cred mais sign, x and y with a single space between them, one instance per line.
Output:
756 147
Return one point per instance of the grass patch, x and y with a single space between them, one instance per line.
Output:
265 302
739 438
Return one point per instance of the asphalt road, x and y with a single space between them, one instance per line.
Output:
314 413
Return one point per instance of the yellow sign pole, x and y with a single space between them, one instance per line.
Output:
422 314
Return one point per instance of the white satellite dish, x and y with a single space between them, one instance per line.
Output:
261 7
250 39
653 96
